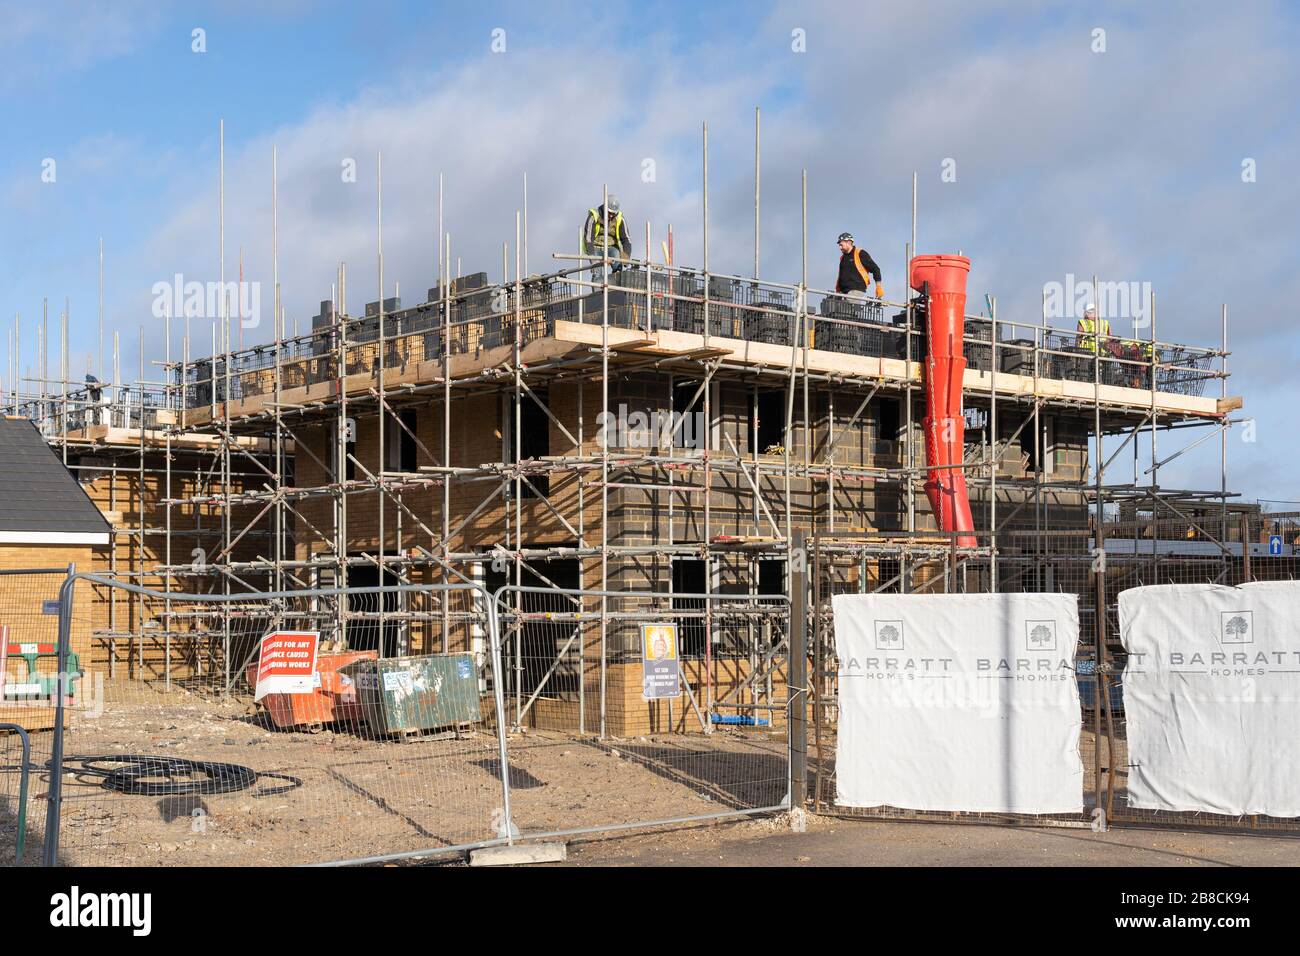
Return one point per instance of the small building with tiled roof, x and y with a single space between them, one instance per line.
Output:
48 526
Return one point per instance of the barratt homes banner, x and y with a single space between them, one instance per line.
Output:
959 702
1212 697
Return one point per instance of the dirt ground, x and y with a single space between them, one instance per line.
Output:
830 841
342 795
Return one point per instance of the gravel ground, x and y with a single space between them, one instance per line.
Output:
341 795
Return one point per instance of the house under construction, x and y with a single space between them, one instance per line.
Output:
650 428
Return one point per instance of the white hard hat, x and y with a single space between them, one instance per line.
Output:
1089 309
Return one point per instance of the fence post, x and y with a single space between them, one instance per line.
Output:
498 694
51 851
797 680
1246 575
25 744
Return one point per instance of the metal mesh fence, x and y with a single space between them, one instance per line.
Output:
29 634
186 747
1159 546
588 752
477 317
16 771
925 565
394 747
1160 543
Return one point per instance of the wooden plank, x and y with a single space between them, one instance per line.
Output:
153 438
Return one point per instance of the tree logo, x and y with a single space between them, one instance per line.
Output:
1236 627
889 635
1040 635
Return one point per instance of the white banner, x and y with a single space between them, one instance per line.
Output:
286 663
1212 697
959 702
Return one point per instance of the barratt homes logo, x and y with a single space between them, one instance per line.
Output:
1236 627
889 635
1040 635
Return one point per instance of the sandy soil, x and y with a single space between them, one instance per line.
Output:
341 795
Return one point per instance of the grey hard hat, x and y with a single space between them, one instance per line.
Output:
843 236
611 204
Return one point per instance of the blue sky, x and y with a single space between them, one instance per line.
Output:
1125 163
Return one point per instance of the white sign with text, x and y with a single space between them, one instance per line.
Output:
1212 697
959 702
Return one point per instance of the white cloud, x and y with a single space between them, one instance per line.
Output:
1125 164
40 41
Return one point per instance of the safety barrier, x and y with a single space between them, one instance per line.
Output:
1104 732
280 728
354 725
598 745
29 667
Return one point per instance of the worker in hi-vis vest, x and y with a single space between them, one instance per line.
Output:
1138 350
605 228
1093 336
857 268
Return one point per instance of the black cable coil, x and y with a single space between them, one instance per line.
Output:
154 776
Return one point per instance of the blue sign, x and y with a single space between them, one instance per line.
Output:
1274 544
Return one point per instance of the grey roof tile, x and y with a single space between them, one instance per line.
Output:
36 492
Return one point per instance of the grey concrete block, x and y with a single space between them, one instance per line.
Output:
519 854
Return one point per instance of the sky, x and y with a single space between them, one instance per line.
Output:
1142 143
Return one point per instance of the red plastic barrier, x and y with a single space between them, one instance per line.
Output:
944 424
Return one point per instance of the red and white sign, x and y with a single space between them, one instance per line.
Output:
286 663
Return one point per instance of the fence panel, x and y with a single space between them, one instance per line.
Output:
921 568
1061 562
394 750
1234 568
29 635
588 752
15 792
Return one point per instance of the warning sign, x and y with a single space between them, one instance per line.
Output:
286 663
661 671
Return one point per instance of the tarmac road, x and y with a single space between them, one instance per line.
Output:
840 842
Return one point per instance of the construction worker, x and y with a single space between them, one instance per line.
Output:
1092 338
605 228
1138 350
857 268
94 400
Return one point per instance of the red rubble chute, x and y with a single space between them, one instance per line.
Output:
943 278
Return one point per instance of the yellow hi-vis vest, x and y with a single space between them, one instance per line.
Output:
599 237
1144 348
1088 340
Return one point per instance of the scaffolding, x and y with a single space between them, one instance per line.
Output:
291 464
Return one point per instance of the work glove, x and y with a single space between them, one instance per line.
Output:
880 291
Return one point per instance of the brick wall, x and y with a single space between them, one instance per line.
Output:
22 599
